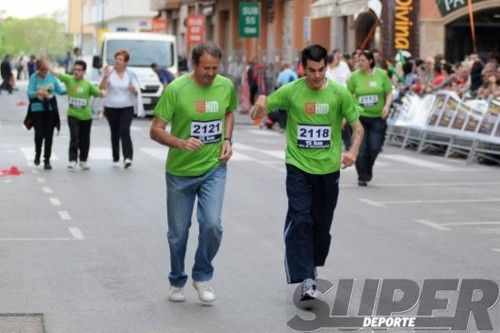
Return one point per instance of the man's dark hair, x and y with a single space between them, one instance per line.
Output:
206 47
314 52
153 65
81 63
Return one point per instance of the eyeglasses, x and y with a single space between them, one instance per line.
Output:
42 69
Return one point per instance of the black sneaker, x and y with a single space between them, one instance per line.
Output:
37 160
308 290
362 183
47 166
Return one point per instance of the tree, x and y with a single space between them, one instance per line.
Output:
29 36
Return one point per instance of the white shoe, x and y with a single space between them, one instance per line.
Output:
84 165
72 165
175 294
205 292
127 163
116 164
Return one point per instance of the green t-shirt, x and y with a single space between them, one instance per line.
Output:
79 93
196 111
370 91
314 121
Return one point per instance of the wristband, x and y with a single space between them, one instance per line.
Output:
229 139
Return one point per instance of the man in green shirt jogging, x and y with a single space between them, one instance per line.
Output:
315 110
79 111
199 106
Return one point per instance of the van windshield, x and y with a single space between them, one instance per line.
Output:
142 52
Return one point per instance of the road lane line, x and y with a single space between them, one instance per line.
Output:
451 184
433 225
64 215
76 233
371 202
496 250
418 162
55 201
382 203
41 180
47 190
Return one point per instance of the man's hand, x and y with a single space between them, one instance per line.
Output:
385 112
348 159
259 109
227 151
191 144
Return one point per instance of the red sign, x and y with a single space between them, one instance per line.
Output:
195 26
159 24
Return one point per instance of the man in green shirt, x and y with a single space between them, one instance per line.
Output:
315 110
199 106
79 111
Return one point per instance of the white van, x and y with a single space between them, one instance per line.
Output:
144 49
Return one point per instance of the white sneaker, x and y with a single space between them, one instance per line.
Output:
116 164
127 163
84 165
72 165
205 292
175 294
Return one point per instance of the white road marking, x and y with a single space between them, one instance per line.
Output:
383 203
418 162
496 250
237 156
55 201
41 180
274 153
264 132
429 184
29 154
100 153
76 233
56 239
47 190
7 180
433 225
241 146
64 215
371 202
158 153
35 171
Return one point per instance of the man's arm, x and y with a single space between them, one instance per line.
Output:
227 145
159 134
349 157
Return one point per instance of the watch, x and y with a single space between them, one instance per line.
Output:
229 139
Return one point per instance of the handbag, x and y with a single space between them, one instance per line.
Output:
28 119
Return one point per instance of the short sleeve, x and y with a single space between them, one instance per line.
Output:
166 105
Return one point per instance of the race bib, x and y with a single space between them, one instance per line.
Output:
207 131
314 136
369 100
77 103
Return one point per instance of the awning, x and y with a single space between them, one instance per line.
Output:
164 4
328 8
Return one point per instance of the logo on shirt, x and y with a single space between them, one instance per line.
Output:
316 108
77 90
370 83
206 106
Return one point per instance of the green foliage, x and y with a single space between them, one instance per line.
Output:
29 36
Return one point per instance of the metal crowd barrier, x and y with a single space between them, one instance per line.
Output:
445 123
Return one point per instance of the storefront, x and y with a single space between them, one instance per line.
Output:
446 29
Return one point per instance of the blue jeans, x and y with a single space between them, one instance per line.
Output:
181 195
371 146
311 202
